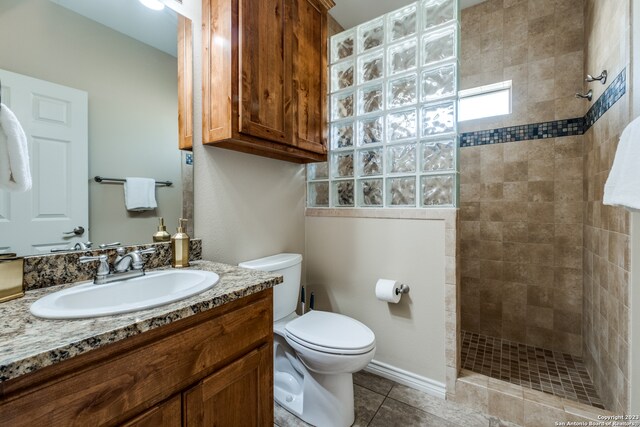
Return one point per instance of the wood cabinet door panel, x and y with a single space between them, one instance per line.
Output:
239 395
166 414
219 35
185 83
309 49
264 62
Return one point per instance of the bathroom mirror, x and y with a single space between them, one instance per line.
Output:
105 73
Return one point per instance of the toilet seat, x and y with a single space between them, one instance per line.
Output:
330 333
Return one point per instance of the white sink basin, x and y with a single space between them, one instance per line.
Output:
151 290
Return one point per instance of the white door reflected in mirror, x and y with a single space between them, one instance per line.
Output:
55 120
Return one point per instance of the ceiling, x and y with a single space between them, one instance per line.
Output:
350 13
159 28
155 28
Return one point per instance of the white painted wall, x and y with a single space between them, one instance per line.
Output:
132 87
248 206
344 257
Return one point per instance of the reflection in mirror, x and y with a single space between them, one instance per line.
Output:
95 85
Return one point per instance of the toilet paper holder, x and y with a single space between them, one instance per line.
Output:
404 289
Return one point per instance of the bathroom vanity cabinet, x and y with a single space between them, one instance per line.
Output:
212 368
265 78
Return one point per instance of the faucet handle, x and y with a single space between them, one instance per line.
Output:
80 246
109 245
150 250
138 262
103 269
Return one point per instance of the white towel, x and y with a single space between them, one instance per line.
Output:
140 194
623 184
15 173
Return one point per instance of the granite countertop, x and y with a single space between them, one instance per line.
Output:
28 343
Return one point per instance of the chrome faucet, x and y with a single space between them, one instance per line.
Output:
126 266
130 261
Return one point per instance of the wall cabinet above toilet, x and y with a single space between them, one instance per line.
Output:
264 77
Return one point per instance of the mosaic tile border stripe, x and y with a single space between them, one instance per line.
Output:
611 95
551 129
542 130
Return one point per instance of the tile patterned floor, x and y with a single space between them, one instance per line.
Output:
552 372
383 403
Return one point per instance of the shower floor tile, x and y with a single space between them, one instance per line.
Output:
560 374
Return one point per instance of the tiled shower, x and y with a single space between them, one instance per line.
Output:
544 264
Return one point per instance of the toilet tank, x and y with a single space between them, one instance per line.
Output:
285 295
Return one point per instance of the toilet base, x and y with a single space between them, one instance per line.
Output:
318 399
331 400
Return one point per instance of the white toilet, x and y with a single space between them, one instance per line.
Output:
314 354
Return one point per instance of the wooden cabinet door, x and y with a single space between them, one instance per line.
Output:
265 70
185 83
165 414
309 51
238 395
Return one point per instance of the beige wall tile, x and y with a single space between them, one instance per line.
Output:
541 191
472 395
539 8
491 231
506 406
515 232
542 111
540 275
569 147
540 317
540 296
568 212
568 169
516 171
566 342
515 272
568 235
515 191
541 233
541 47
538 337
515 152
540 170
540 212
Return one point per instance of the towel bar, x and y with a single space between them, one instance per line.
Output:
102 179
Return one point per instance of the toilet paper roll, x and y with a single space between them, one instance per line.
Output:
388 290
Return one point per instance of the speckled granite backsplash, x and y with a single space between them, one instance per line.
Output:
43 271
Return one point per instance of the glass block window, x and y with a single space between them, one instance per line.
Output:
393 112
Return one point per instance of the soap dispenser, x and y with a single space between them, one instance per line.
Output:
180 246
161 235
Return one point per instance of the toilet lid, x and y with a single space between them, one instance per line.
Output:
329 332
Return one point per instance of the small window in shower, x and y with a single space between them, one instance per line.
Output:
484 101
